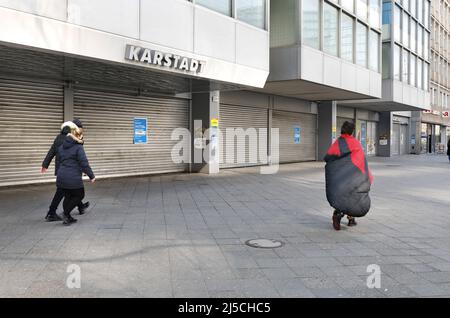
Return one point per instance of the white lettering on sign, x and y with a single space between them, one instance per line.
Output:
154 57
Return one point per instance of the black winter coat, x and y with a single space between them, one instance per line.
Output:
53 151
73 163
448 148
347 187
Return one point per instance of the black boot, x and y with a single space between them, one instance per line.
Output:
83 208
352 221
68 220
337 216
52 217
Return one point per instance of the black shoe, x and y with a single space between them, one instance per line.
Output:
52 217
337 216
352 222
83 208
68 220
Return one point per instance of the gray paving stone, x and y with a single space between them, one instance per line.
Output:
183 236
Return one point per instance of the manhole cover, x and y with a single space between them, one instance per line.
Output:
264 243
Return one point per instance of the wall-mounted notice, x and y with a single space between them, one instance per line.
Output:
140 131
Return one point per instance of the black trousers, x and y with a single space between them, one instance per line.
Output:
72 198
59 195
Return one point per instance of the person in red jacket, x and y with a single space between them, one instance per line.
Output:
348 178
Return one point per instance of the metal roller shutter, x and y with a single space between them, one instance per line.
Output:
242 117
289 150
31 115
108 124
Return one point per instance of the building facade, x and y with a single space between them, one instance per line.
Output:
405 76
117 64
435 123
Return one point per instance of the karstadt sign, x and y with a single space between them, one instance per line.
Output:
154 57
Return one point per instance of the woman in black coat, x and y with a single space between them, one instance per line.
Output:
73 163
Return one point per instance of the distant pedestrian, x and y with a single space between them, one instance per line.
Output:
448 149
348 178
52 153
73 163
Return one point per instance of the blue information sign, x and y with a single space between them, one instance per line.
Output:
297 135
140 131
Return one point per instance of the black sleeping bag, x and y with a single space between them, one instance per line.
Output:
347 186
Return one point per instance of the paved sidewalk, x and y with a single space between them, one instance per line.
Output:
183 236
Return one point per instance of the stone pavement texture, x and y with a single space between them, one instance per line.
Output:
183 236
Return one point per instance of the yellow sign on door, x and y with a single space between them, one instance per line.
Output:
214 122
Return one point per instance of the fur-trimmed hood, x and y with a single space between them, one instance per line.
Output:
69 124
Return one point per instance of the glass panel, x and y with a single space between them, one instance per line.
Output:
373 50
222 6
311 23
420 41
419 73
397 23
361 8
252 11
425 76
426 14
283 30
413 41
405 4
405 66
397 62
426 45
413 7
412 70
347 38
348 4
330 29
420 10
361 44
374 14
386 60
405 29
387 11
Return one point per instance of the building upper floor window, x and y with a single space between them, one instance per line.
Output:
374 13
387 12
330 29
361 44
252 11
311 23
361 8
349 5
222 6
347 31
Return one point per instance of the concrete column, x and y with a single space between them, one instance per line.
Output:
444 137
415 132
68 101
384 134
327 113
205 115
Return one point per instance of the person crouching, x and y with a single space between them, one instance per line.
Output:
73 163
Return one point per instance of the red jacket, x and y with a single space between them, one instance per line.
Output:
357 153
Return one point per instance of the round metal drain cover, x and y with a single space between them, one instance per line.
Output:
264 243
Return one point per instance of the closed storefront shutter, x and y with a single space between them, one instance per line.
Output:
243 117
109 132
31 115
290 124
